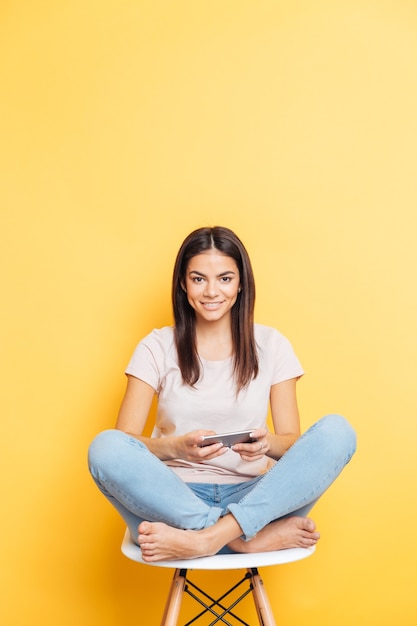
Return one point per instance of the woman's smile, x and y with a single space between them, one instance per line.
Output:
212 305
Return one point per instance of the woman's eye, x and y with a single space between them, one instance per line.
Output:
197 279
226 279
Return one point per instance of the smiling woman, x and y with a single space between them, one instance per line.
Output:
212 286
216 370
235 336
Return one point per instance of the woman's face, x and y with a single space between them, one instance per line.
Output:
212 284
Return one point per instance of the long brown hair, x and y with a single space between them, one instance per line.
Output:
245 366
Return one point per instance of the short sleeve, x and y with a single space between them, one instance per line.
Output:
278 355
287 364
148 361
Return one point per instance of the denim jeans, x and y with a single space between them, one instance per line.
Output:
141 487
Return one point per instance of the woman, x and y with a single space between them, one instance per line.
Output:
216 371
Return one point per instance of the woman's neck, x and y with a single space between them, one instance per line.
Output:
214 341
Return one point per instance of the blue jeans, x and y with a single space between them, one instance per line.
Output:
141 487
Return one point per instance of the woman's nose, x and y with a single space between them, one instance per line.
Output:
211 288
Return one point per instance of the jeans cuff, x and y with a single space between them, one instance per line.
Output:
213 516
247 527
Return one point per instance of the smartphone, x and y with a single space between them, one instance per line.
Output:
228 439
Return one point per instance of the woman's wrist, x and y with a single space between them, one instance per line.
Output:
279 444
165 448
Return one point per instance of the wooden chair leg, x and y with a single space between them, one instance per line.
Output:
260 597
173 603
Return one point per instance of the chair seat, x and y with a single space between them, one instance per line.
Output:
220 561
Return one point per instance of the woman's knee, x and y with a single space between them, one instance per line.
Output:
104 447
337 429
112 446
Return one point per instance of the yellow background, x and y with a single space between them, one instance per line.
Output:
125 125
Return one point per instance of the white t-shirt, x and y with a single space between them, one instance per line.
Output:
212 404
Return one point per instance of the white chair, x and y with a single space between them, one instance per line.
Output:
181 583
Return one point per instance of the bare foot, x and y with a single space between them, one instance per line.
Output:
290 532
160 542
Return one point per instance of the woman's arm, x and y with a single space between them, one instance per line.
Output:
285 418
135 407
133 414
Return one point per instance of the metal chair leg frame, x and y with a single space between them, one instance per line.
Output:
181 584
220 617
218 601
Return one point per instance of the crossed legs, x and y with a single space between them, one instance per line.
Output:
271 516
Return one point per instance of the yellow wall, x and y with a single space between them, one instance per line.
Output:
126 124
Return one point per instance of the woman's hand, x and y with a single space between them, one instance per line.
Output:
256 450
189 447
